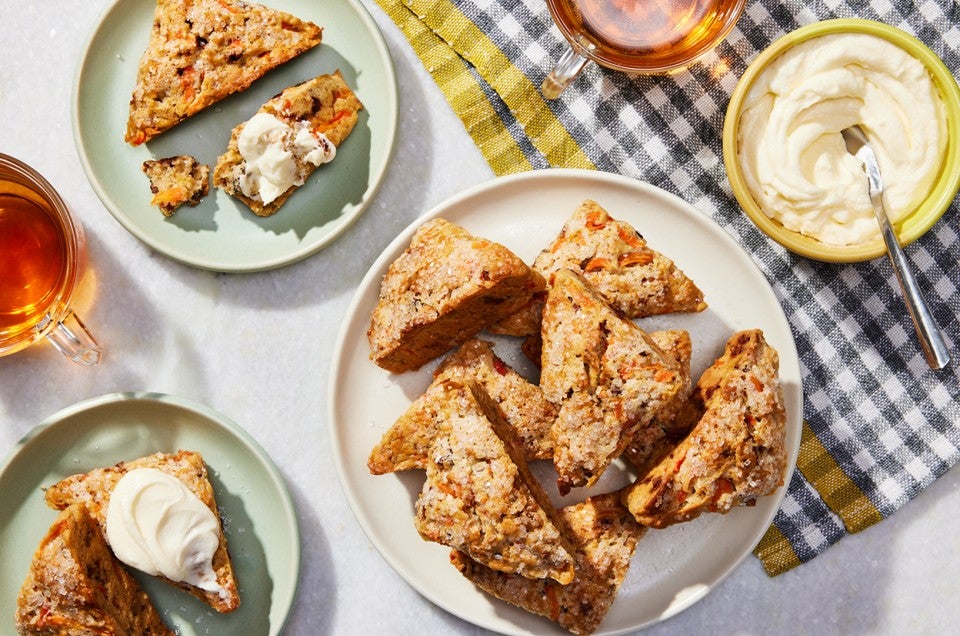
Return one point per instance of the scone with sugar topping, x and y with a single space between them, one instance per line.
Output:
480 497
441 291
735 454
75 586
212 580
606 375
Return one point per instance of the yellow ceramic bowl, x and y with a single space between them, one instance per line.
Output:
914 224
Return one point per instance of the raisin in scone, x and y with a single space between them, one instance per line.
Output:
274 152
616 260
441 291
95 487
479 496
735 454
201 51
75 586
176 181
605 537
606 374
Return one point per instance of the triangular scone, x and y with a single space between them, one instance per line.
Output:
201 51
76 586
94 489
605 373
480 497
405 444
672 423
523 404
605 536
735 453
324 108
615 259
441 291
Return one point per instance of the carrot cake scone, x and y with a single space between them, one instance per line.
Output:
605 373
614 258
735 454
201 51
175 181
272 154
215 582
405 444
605 536
480 498
75 586
441 291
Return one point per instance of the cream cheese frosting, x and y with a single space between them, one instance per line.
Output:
793 157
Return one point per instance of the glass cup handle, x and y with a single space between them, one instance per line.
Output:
71 338
566 70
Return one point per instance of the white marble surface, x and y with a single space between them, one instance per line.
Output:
257 348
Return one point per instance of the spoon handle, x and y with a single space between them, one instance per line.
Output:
931 338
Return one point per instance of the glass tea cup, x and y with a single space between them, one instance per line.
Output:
42 257
636 36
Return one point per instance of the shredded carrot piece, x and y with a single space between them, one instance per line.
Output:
596 220
636 258
551 591
170 195
597 263
323 127
630 238
187 83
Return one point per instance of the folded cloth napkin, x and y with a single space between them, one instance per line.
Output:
880 426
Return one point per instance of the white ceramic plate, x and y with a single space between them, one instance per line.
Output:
221 233
672 568
260 522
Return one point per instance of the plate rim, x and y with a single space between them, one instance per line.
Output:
221 422
391 90
376 271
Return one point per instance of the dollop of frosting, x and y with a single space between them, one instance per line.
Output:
158 525
794 159
276 155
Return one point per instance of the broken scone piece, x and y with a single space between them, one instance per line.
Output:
272 154
605 536
441 291
608 377
76 586
215 582
201 51
480 497
175 181
735 454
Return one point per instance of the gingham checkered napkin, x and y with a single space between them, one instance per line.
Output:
880 426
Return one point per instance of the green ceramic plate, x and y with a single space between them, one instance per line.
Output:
259 519
221 233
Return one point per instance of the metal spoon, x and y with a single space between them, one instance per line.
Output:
931 338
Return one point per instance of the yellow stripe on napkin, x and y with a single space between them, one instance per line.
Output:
446 41
461 90
837 490
775 552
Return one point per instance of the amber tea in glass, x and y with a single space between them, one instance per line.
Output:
42 255
637 36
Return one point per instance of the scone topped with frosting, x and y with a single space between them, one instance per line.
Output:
274 152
